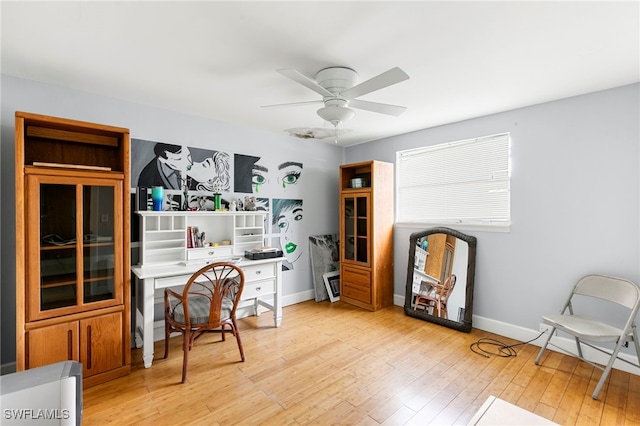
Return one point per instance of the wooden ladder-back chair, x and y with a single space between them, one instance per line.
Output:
588 330
207 303
437 297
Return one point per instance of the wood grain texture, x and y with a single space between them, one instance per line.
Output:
337 364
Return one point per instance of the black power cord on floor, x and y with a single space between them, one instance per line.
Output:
504 351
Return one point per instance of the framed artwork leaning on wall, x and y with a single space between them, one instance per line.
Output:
332 282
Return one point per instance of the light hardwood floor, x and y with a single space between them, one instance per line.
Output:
337 364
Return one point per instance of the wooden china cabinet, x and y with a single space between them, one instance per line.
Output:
366 234
441 249
72 245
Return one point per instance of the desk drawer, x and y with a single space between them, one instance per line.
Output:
172 281
208 252
258 272
260 288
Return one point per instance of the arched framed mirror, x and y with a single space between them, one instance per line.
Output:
440 277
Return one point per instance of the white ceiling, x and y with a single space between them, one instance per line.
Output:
218 59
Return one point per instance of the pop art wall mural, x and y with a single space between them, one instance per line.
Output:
192 176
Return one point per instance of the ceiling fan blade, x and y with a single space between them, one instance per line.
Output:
387 78
292 104
377 107
304 80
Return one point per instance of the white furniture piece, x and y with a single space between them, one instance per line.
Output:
47 395
495 412
167 261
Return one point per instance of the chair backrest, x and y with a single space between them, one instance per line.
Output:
618 290
215 291
448 286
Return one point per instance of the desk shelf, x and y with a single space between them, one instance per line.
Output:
164 235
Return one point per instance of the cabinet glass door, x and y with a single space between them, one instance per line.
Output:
98 243
76 225
356 227
58 246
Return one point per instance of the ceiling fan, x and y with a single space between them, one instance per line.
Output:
339 91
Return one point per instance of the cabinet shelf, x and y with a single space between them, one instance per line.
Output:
71 279
73 246
59 280
59 247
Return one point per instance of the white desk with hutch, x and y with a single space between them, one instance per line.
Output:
168 260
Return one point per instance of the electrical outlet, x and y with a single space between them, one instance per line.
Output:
544 328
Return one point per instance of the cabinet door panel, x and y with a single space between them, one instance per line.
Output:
101 342
52 344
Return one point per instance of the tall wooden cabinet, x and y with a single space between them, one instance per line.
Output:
72 245
441 249
366 234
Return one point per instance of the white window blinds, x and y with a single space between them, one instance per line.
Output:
458 182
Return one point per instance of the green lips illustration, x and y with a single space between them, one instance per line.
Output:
290 248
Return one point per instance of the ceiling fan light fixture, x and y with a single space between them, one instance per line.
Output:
336 114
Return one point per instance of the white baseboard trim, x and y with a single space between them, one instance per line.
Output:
398 300
525 334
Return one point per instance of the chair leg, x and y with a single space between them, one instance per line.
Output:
542 349
167 333
579 347
636 343
237 333
185 354
607 369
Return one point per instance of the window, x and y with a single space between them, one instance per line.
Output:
465 182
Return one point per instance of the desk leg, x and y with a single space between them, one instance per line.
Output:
277 298
137 315
148 286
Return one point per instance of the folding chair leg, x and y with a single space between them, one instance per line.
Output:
542 349
579 347
635 342
607 369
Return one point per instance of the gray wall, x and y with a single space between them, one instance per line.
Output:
575 190
318 184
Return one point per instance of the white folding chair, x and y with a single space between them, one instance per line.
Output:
584 330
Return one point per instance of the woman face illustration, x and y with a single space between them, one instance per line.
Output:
284 175
210 173
288 224
203 171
